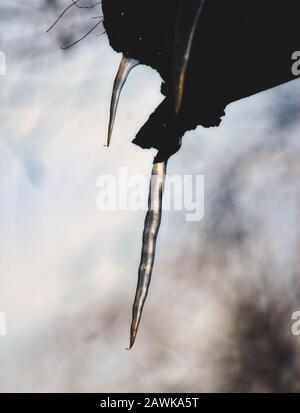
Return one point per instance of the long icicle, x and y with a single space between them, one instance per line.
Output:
151 228
125 68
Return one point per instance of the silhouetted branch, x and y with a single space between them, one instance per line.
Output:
83 37
74 3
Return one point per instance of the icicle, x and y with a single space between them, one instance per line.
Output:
151 228
125 68
186 27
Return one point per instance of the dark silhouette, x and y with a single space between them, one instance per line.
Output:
239 48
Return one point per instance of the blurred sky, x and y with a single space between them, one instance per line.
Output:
68 271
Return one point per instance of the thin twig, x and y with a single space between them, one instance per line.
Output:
61 15
86 7
74 3
83 37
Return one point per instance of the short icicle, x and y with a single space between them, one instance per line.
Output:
125 68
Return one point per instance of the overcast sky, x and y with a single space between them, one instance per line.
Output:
59 255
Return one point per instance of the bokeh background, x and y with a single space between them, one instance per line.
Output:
218 317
